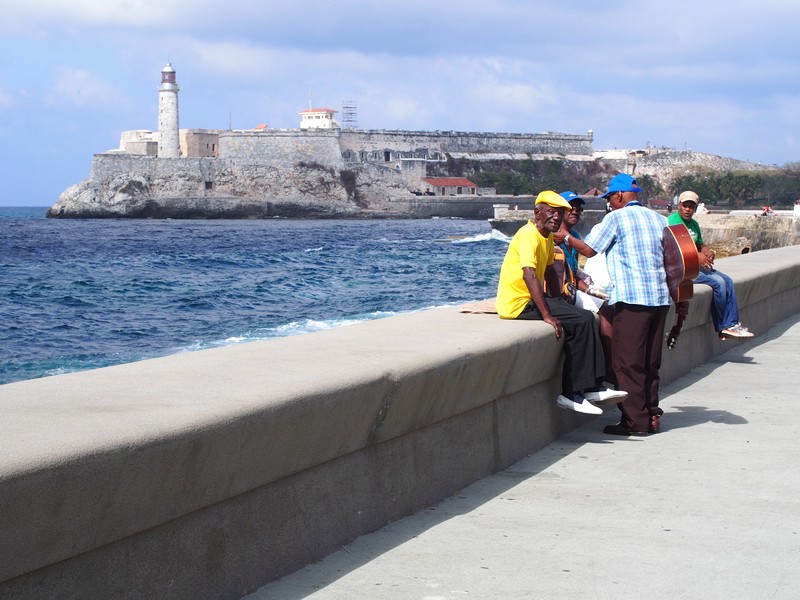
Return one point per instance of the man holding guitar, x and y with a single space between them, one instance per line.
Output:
724 309
632 238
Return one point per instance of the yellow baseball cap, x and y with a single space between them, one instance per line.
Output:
553 199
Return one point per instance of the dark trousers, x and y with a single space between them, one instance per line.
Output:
584 363
637 344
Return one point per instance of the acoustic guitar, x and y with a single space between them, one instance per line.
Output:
682 264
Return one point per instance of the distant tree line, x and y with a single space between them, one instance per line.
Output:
777 188
529 177
741 188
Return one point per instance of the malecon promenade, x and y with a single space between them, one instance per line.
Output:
707 509
215 474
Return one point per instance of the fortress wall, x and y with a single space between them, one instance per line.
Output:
366 140
282 148
208 474
464 206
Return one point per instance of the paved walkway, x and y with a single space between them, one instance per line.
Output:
708 509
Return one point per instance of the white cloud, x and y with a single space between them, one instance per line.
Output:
44 14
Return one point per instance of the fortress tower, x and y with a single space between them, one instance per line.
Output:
168 140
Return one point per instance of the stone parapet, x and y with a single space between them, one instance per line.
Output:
207 474
368 140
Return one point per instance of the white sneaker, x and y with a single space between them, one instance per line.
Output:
579 404
736 331
603 394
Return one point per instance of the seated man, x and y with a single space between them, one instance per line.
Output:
724 309
585 292
520 295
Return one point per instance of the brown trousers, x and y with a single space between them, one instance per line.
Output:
637 344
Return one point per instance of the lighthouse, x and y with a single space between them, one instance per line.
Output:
168 140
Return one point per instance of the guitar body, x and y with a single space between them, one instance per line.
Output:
682 264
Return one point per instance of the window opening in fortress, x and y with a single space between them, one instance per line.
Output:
209 185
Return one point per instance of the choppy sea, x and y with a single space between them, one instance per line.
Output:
82 294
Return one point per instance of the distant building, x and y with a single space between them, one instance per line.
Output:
448 186
318 118
199 142
142 142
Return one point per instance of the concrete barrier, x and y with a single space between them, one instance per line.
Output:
206 475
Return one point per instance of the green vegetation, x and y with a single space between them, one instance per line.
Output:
739 188
525 177
776 187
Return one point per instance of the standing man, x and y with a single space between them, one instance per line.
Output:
632 235
724 308
520 295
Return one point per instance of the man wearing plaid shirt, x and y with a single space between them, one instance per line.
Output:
632 238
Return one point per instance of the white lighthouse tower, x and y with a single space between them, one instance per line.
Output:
168 141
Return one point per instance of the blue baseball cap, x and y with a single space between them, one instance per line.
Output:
570 196
622 183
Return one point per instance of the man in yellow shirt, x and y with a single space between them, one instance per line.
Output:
520 295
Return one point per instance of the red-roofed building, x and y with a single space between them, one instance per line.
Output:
448 186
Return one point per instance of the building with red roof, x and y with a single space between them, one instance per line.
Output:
448 186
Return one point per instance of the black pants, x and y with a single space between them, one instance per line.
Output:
584 363
638 341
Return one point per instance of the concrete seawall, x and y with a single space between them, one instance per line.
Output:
206 475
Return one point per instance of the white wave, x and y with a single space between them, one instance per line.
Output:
480 237
313 249
496 235
287 329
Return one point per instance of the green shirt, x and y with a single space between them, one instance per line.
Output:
693 226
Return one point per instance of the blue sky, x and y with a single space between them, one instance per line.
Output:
713 76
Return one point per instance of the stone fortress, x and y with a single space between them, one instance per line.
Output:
317 170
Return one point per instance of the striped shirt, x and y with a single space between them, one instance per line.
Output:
633 240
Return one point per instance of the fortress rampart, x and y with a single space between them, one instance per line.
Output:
208 474
282 148
361 142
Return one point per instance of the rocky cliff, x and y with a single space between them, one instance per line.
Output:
666 165
140 187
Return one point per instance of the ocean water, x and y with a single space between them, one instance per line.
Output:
81 294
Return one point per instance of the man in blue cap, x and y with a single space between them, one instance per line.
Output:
631 235
587 295
520 295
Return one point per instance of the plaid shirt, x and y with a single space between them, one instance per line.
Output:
633 240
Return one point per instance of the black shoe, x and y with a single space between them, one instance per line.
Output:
622 430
